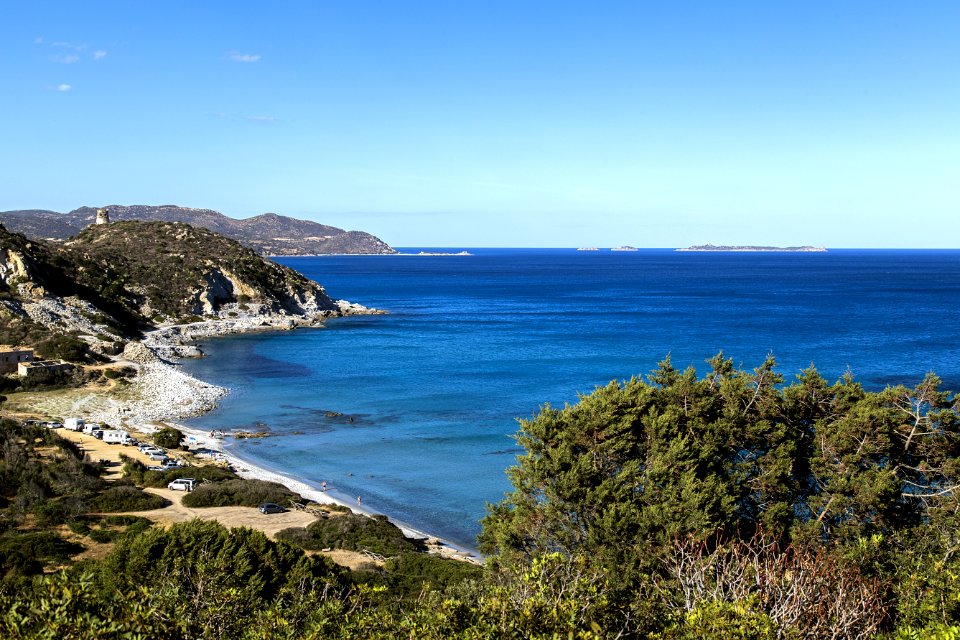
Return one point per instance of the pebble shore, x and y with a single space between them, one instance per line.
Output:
164 392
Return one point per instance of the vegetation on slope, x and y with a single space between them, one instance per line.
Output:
729 506
173 268
113 281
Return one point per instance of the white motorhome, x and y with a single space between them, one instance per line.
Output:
116 436
90 427
73 424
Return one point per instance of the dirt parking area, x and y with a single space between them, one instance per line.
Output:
250 517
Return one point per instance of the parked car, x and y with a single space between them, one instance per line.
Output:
271 507
182 484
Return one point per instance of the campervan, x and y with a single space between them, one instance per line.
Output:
90 427
73 424
116 436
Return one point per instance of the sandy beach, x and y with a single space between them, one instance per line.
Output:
161 395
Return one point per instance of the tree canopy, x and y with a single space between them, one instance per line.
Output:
636 470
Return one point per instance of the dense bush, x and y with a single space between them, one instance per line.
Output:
240 492
137 472
351 531
127 498
214 580
61 347
53 488
24 554
168 438
412 574
839 476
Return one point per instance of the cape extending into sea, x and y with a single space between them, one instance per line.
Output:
414 411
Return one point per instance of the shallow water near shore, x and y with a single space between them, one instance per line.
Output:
414 411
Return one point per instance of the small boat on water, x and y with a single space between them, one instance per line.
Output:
624 248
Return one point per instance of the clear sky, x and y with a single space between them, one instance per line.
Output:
521 123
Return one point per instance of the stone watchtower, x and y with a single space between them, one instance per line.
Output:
103 216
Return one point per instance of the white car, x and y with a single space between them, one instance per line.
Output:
182 484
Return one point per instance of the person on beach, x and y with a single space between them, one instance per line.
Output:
323 485
358 499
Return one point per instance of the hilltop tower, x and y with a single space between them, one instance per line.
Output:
103 216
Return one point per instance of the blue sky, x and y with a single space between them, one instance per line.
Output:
498 123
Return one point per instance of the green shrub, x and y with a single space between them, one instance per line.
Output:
211 582
247 493
59 347
126 521
137 472
204 473
410 574
101 535
168 438
126 498
733 620
26 554
353 532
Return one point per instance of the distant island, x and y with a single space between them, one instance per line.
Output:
724 247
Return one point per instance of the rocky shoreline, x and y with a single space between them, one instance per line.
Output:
162 392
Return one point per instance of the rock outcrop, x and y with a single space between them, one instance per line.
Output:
115 281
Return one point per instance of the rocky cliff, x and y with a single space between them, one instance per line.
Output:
112 282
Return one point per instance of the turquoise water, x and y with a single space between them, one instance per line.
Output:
414 411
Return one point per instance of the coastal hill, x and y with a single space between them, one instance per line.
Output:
113 281
724 247
269 233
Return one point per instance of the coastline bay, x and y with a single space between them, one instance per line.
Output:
414 411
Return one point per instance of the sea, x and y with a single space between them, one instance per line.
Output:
415 411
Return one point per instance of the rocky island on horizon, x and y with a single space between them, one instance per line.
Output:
724 247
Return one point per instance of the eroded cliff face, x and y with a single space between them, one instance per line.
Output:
16 274
223 287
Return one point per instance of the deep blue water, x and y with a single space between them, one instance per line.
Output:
430 393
